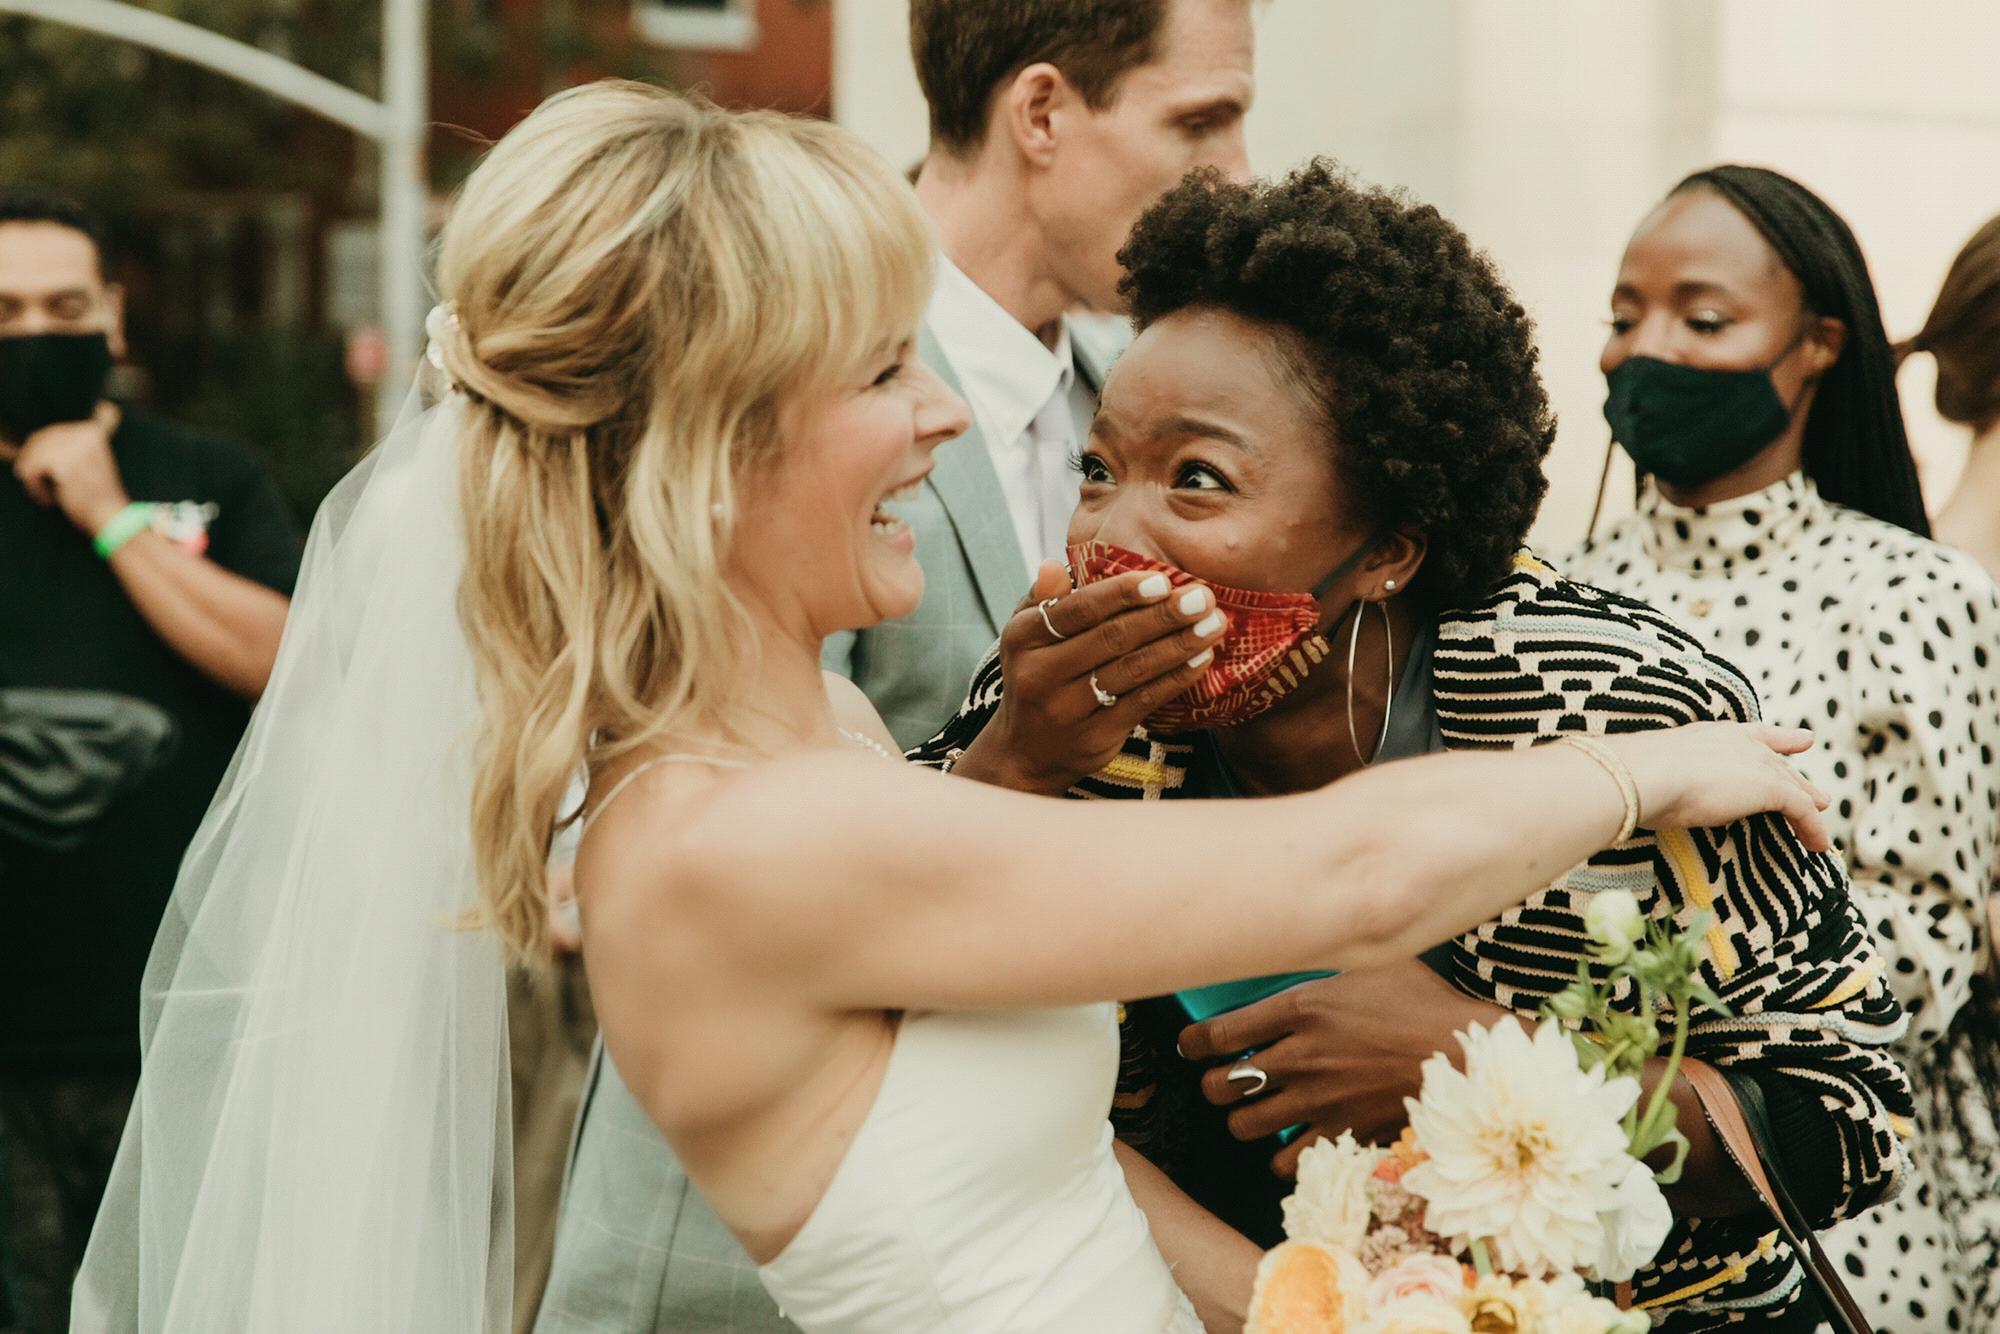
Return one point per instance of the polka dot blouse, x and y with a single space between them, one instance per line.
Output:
1888 647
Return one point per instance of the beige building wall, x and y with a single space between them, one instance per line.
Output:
1548 130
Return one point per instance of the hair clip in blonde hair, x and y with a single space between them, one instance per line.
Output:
440 324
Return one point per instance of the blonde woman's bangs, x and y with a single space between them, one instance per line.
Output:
854 246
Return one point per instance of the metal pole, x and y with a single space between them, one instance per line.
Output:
239 60
404 189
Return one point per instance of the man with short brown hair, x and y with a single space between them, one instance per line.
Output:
1054 123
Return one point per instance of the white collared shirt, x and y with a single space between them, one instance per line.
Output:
1032 407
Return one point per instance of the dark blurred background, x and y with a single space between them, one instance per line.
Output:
245 230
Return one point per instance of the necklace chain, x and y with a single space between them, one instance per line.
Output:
867 742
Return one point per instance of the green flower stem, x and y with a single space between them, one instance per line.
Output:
1635 1123
1482 1264
1651 1132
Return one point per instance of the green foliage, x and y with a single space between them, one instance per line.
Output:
1655 967
119 126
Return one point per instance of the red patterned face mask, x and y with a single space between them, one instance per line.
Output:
1273 639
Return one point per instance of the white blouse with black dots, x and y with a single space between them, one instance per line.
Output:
1888 647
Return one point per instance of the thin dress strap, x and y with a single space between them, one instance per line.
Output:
637 769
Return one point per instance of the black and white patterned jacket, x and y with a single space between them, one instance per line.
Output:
1813 1019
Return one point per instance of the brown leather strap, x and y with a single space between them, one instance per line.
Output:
1725 1115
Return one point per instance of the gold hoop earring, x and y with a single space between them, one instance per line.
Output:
1389 693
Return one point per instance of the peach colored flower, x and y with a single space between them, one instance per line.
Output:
1428 1275
1307 1289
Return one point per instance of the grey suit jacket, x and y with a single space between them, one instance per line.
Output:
637 1250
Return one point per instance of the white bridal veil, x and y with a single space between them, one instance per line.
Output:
320 1140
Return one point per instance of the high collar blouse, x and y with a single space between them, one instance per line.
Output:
1887 646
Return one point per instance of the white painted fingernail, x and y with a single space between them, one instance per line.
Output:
1203 658
1193 601
1210 625
1154 586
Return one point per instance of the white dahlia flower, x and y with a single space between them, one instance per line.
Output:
1636 1227
1526 1150
1330 1205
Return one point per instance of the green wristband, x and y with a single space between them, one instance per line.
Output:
125 525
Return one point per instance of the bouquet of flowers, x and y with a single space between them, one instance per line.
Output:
1520 1180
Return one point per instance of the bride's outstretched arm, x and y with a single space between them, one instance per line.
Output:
850 883
1214 1264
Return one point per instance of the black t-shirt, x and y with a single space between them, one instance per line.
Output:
79 924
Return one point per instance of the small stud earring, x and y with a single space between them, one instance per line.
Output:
1389 585
715 511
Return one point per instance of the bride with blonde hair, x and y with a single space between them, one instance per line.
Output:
676 402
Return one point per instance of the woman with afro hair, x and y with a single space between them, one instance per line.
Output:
1330 428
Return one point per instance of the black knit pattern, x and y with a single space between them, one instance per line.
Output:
1812 1019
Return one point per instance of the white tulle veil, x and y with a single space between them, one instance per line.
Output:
320 1140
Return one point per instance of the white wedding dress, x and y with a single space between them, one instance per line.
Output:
981 1194
320 1141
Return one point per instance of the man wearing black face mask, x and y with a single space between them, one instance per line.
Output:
144 577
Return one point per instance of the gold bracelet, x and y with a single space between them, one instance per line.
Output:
1628 788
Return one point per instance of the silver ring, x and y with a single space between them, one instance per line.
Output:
1043 607
1246 1071
1105 699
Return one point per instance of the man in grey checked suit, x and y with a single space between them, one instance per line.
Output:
1053 124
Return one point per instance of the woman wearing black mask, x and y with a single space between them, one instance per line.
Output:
1779 517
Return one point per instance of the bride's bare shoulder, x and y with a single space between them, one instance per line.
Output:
692 843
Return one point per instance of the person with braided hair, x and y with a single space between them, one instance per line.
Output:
1779 517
